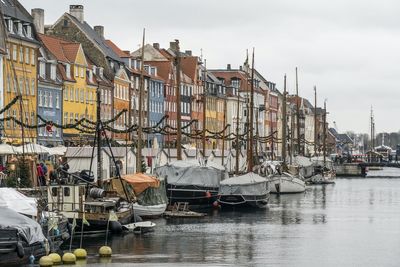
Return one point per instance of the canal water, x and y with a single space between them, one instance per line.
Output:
355 222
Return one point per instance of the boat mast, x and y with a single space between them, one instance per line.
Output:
315 120
250 148
140 129
284 167
204 108
237 132
298 116
324 131
223 134
178 103
98 135
372 130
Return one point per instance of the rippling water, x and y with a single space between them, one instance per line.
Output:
355 222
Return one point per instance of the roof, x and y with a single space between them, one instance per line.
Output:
95 37
150 54
116 49
189 66
14 9
228 75
62 50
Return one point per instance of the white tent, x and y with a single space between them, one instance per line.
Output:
6 149
58 150
12 199
33 149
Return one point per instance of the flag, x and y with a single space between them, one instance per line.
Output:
84 221
113 216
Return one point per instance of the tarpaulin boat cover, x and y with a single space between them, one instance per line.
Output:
192 172
11 198
141 182
249 184
27 228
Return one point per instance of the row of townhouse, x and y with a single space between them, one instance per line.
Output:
61 69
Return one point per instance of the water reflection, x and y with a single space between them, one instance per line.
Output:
326 221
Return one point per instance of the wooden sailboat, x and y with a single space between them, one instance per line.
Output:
283 182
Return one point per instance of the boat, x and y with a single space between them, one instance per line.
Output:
20 238
286 183
324 173
192 182
248 190
139 227
79 200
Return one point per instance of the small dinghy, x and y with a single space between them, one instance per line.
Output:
139 227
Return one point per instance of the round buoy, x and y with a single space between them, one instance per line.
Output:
69 258
56 258
105 251
45 261
80 253
215 204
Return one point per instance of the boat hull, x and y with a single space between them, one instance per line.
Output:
322 179
197 197
286 185
241 201
149 211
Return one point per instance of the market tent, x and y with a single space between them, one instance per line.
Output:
32 149
141 182
6 149
57 150
12 199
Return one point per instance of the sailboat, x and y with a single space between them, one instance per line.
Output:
281 181
250 189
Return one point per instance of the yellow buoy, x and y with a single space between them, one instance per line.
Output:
56 258
80 253
105 251
45 261
69 258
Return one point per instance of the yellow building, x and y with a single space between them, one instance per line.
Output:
79 86
20 74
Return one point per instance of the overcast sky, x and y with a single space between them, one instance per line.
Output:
349 49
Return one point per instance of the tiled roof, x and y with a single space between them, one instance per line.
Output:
14 9
64 51
116 49
227 75
189 66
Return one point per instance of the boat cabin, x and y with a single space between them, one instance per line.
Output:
66 197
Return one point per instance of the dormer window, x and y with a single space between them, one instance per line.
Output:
10 26
68 70
112 64
42 70
53 72
130 63
20 29
90 75
94 69
101 72
28 31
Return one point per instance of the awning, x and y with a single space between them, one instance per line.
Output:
141 182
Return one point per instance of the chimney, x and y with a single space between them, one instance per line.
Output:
156 46
99 30
188 53
228 67
38 19
174 46
77 12
240 68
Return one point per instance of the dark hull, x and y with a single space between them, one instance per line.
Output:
14 251
198 197
57 237
240 201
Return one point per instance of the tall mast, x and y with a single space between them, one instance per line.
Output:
372 130
237 133
178 103
324 131
250 149
298 116
140 126
315 120
98 135
284 167
204 108
223 135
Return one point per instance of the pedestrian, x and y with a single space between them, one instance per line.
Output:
44 168
40 175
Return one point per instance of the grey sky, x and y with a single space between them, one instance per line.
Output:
349 49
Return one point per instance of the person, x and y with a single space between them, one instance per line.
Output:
40 175
44 168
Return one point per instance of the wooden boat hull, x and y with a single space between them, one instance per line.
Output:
198 197
241 201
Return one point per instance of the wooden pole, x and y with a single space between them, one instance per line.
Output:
237 147
178 103
223 134
140 126
204 108
315 121
284 167
98 133
250 149
298 116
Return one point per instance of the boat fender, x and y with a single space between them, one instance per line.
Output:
65 236
115 227
208 194
20 250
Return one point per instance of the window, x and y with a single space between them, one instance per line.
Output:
8 83
82 71
71 97
33 121
8 51
33 86
21 54
8 123
21 85
42 69
65 117
87 97
14 114
40 98
76 116
71 118
76 71
27 86
82 95
45 99
57 132
33 58
53 72
66 93
57 100
50 100
76 95
68 70
27 56
14 51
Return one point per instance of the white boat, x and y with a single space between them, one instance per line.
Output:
286 183
139 227
324 172
327 177
149 211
